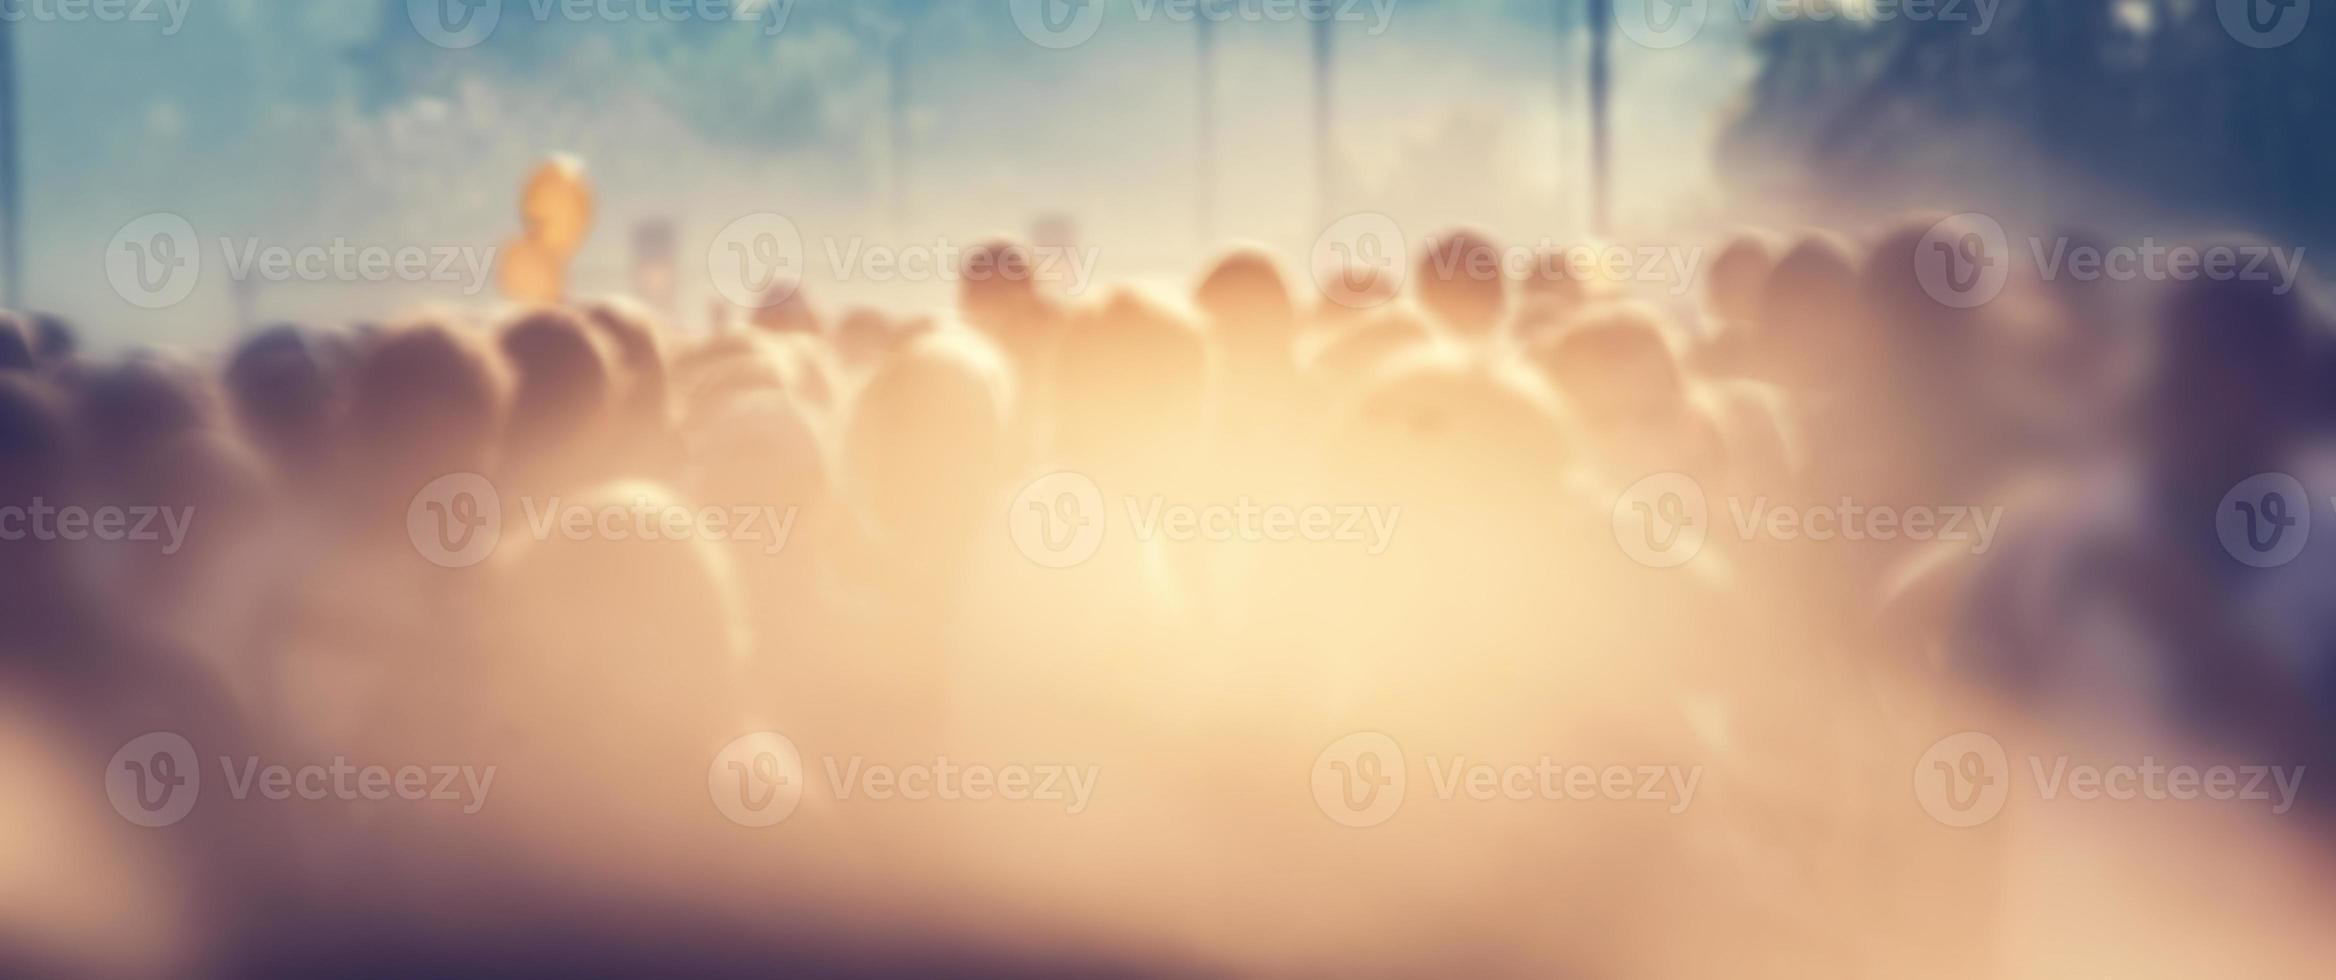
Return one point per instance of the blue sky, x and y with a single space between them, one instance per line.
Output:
306 123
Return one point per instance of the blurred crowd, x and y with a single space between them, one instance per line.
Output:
1498 422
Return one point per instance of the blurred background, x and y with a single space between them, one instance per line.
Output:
907 121
1873 754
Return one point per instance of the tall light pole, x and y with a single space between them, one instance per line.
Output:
1565 68
1601 138
1205 169
897 66
11 205
1324 198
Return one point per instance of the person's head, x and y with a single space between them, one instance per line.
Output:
1617 367
54 338
1130 387
864 337
17 344
924 440
1739 274
711 374
427 401
2232 377
1455 432
785 309
289 387
1460 280
640 641
561 409
997 279
1353 290
761 448
636 344
1247 304
998 295
1561 282
37 456
1811 332
1356 353
132 408
180 583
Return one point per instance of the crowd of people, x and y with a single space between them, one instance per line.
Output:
888 611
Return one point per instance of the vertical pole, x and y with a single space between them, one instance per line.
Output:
1205 203
11 154
1567 179
1601 135
1323 192
897 124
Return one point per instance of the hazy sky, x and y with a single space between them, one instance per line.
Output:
298 124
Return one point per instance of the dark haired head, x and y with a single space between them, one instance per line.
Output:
1460 280
1614 364
16 344
785 309
130 408
1358 351
1248 304
1130 384
998 295
2233 378
428 401
565 390
1739 274
863 337
632 335
37 456
933 416
288 387
54 338
1810 326
35 437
